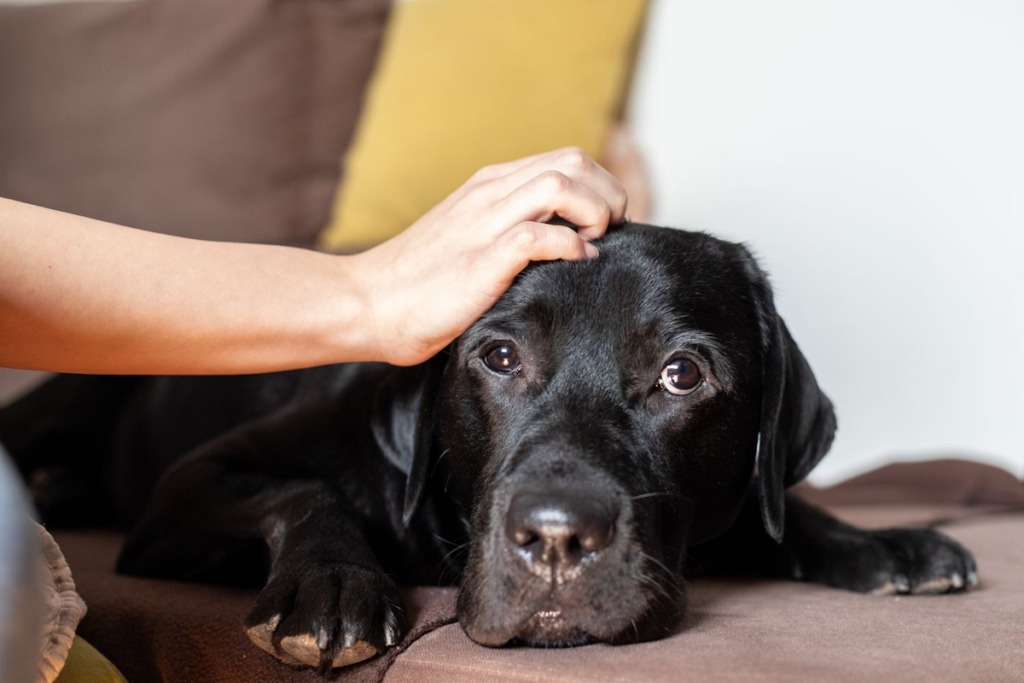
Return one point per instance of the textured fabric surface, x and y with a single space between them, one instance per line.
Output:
749 631
63 608
466 83
221 119
191 633
738 630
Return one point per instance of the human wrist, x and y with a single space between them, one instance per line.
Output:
389 302
347 323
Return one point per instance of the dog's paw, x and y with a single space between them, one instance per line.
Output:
906 561
327 616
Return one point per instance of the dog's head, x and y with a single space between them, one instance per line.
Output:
603 416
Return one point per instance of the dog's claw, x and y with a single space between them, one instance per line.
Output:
390 637
898 585
330 616
304 650
922 562
942 584
323 639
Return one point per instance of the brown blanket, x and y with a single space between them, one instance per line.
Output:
737 630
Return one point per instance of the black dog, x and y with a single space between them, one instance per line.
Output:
603 424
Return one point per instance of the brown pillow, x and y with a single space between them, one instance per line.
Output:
222 119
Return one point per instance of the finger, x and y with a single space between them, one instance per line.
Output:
554 194
576 164
532 241
503 169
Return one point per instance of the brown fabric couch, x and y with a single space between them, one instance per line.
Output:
738 629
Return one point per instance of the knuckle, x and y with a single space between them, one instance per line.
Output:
616 212
485 174
571 246
621 201
574 158
526 238
554 182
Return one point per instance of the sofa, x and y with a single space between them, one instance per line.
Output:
737 629
271 121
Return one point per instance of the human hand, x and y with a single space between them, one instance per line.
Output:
431 282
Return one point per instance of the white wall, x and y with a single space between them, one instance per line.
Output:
873 154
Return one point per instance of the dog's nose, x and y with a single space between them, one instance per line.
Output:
559 530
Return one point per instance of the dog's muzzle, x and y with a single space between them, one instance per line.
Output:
558 560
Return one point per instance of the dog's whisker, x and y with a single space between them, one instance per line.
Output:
457 549
669 590
438 461
445 541
657 562
657 593
447 566
670 575
658 588
653 494
692 563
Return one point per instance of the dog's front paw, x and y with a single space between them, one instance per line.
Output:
921 562
891 562
327 616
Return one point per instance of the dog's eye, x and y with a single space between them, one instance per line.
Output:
503 359
680 377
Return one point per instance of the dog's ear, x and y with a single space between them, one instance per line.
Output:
403 424
797 419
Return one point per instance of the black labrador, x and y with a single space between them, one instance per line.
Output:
606 423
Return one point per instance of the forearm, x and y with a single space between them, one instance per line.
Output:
80 295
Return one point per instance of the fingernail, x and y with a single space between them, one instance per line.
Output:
590 250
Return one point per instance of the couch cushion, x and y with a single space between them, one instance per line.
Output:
466 83
757 630
220 119
749 630
738 629
155 630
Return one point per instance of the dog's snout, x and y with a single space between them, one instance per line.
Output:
559 530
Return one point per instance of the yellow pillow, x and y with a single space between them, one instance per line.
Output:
465 83
86 665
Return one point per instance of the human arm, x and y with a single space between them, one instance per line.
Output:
80 295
